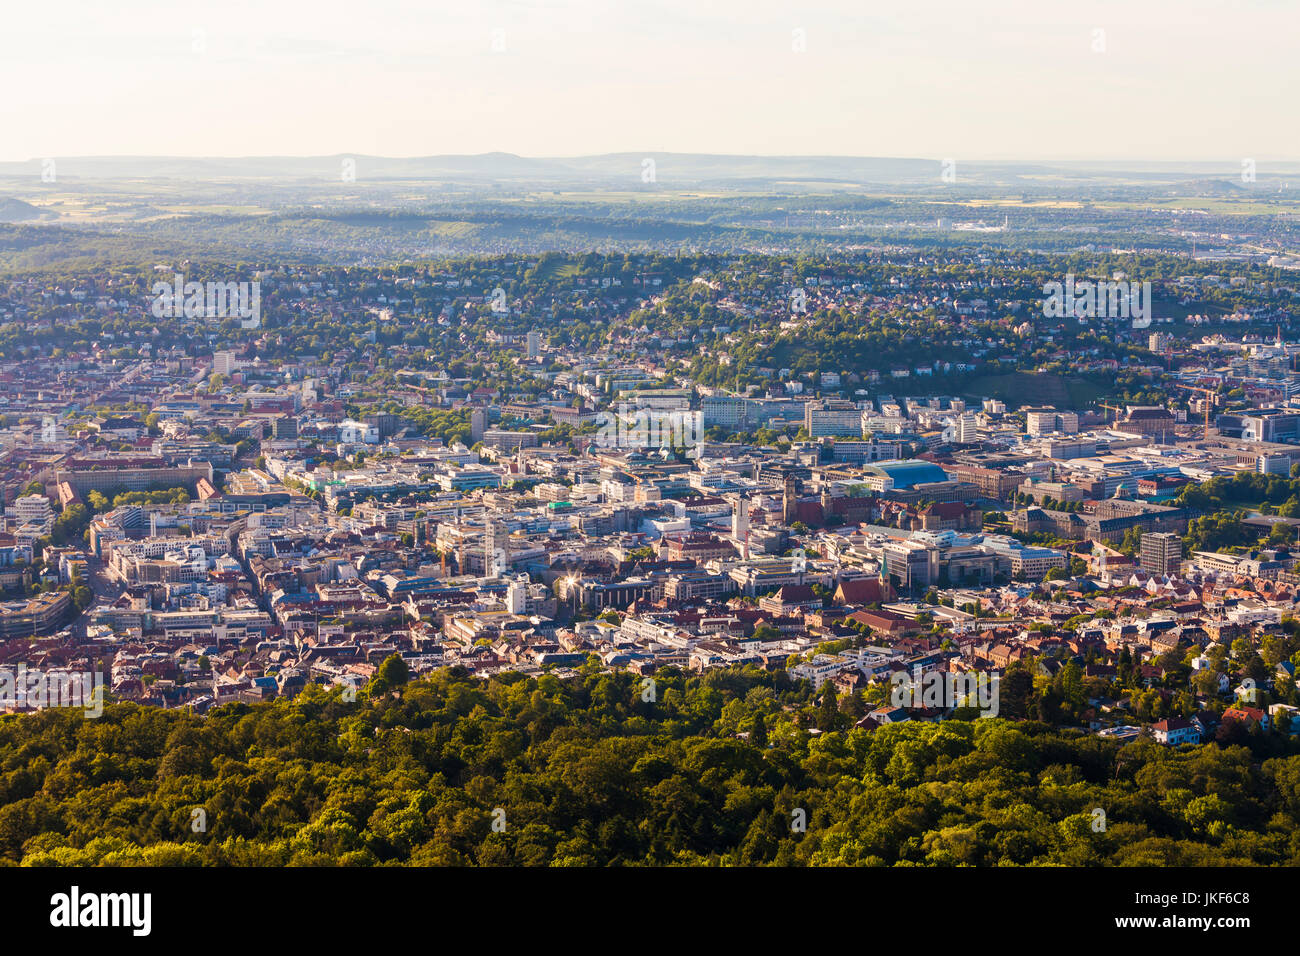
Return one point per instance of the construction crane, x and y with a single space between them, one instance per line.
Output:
1207 401
1113 408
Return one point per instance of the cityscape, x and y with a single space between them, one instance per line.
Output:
623 509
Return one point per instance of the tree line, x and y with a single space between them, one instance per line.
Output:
740 767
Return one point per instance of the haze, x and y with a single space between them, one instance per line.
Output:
1178 80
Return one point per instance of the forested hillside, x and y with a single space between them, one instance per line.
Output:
584 771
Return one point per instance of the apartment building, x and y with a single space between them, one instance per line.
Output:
1161 553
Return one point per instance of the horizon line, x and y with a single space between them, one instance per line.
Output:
650 153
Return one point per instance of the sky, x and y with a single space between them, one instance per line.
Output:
967 79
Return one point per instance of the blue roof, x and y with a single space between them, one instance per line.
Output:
908 473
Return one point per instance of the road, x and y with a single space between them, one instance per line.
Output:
105 589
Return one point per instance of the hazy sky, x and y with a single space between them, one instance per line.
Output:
972 79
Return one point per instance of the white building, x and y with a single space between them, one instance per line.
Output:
33 510
352 432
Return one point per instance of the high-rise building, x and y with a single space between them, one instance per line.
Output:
965 429
1162 553
496 545
1043 421
723 410
740 525
517 596
224 363
284 428
534 344
477 424
387 423
832 416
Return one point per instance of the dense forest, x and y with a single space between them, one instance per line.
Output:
729 767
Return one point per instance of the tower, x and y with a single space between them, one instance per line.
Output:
740 525
494 554
517 595
886 585
789 509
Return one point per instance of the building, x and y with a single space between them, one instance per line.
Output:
599 595
468 479
386 422
1162 553
35 616
110 477
1150 420
1047 420
858 452
1272 425
496 549
1176 731
909 565
1247 717
832 416
698 585
352 432
902 475
33 509
534 347
508 440
1027 562
740 521
1107 520
224 363
695 547
994 480
724 410
53 431
965 429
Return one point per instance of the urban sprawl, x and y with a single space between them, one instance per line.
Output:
861 473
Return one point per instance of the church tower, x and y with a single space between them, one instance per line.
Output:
886 585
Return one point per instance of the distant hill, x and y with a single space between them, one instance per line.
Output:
505 167
1218 188
15 210
618 168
